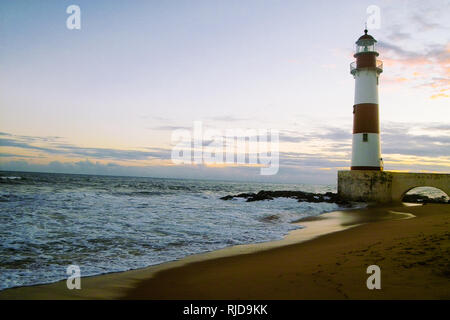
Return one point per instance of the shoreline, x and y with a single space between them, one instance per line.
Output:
57 290
132 284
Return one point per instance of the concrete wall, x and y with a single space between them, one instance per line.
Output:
386 186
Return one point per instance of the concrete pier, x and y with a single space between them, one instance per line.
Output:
386 186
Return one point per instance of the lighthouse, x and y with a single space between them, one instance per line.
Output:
367 181
366 154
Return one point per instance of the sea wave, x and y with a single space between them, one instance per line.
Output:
109 224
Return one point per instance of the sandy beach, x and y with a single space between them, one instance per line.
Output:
325 260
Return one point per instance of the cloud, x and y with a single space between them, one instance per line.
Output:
422 140
298 159
399 138
323 133
405 146
423 24
412 60
333 133
397 35
171 128
12 155
228 118
439 95
397 52
439 126
15 142
115 154
283 137
432 54
286 174
415 46
430 67
68 150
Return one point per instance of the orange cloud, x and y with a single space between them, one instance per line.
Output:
401 79
439 95
429 68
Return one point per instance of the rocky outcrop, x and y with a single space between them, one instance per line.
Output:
329 197
299 195
417 198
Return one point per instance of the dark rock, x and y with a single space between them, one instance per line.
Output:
241 195
329 197
417 198
301 196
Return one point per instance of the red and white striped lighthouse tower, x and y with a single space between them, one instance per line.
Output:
366 154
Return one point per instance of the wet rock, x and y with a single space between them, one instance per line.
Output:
301 196
418 198
228 197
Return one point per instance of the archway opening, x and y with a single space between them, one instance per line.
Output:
425 195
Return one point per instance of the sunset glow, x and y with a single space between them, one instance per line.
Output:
105 99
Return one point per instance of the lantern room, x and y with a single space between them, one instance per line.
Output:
365 43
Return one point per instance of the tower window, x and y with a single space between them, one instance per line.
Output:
365 137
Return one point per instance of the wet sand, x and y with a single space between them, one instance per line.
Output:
325 260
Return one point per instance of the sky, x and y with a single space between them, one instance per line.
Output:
106 98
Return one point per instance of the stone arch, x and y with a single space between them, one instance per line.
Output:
386 186
403 182
406 191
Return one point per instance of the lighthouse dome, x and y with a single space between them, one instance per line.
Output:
365 38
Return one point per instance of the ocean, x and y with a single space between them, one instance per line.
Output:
107 224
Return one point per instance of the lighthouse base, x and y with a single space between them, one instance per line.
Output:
386 186
365 168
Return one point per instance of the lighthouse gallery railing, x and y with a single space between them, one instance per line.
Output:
379 66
